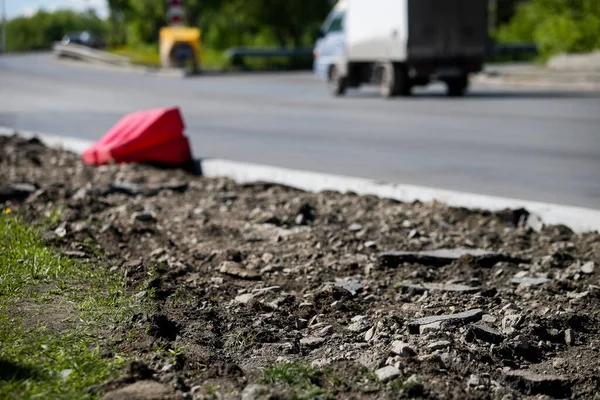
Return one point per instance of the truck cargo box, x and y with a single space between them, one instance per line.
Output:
400 30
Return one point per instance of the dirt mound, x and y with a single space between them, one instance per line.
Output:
247 277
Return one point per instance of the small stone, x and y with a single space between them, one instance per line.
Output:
75 253
370 244
588 268
255 392
407 224
142 390
440 344
559 363
236 270
440 287
359 324
355 227
511 322
351 285
459 318
158 252
143 216
61 231
387 374
141 294
430 328
133 263
267 258
480 382
402 349
167 368
312 342
413 233
441 257
369 334
65 373
529 281
488 319
535 223
484 333
325 331
338 305
244 298
569 337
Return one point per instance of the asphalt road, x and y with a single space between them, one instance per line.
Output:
530 144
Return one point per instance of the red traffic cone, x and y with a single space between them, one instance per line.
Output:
145 136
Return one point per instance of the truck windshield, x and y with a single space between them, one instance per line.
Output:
334 22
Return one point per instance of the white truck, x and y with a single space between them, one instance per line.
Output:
400 44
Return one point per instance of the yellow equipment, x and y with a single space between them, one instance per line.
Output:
180 47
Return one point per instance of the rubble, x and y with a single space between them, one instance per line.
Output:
460 318
243 278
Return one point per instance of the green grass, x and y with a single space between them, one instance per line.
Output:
146 55
303 380
53 311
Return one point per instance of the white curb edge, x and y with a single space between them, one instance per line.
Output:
579 219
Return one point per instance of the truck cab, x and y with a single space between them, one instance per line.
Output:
400 44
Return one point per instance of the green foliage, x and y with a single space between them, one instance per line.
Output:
303 380
557 26
39 31
52 311
228 23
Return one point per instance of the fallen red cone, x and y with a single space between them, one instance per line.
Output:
146 136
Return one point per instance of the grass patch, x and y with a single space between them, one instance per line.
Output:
146 55
303 380
53 311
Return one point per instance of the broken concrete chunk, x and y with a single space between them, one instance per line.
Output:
440 287
402 349
387 374
143 390
355 227
511 322
236 270
439 258
430 328
484 333
244 298
359 324
460 318
16 192
440 344
529 281
531 383
588 268
351 285
312 342
535 223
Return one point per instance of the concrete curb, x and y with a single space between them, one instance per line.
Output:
135 69
577 218
533 81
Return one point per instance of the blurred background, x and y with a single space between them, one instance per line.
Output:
519 29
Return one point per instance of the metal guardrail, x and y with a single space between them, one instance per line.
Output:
85 53
515 48
238 54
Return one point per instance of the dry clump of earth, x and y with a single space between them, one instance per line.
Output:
367 297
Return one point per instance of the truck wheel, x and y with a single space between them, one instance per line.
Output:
337 83
394 81
457 87
388 80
